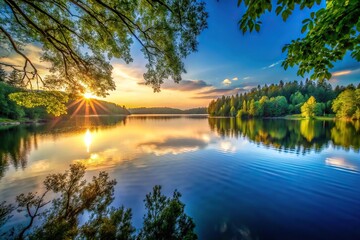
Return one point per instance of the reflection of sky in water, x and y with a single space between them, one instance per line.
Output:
340 163
242 187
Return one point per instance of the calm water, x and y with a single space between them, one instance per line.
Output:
266 179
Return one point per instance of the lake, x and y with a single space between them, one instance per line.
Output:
239 179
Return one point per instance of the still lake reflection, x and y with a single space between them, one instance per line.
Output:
265 179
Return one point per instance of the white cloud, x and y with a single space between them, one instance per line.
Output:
226 82
247 77
235 79
272 65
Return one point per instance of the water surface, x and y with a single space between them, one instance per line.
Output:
265 179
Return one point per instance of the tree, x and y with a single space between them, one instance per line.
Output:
256 109
244 106
165 218
78 38
113 224
347 104
232 111
297 98
330 32
277 106
308 108
8 108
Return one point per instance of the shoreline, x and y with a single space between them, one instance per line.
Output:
11 122
287 117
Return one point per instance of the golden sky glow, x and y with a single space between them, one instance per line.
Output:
132 94
128 90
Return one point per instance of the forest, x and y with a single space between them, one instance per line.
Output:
309 98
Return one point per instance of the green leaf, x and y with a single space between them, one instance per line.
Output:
328 75
303 29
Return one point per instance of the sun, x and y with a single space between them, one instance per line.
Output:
88 95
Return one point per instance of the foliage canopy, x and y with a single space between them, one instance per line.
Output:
330 32
79 37
347 104
308 108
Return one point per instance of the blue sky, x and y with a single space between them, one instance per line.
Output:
224 52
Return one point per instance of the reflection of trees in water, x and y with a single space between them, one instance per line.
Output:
300 136
15 146
346 134
18 141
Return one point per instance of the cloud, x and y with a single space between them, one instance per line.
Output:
341 73
226 82
235 79
185 85
246 78
272 65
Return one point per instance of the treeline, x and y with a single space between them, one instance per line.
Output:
167 110
309 99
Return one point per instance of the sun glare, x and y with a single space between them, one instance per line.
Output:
88 95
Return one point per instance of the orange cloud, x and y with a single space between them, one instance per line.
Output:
340 73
